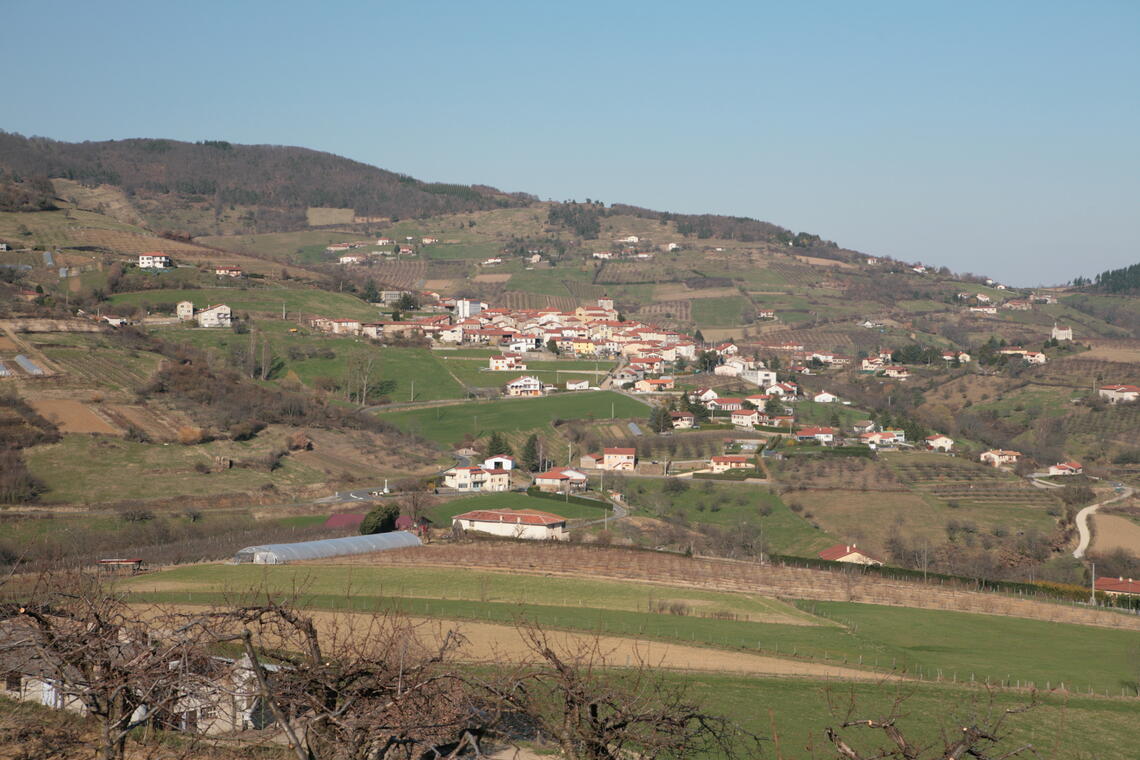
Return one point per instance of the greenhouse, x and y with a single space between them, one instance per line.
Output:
279 554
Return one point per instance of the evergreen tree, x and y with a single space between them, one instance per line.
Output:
552 346
774 407
382 519
371 294
659 420
530 454
497 446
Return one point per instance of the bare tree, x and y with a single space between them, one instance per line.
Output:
979 736
573 695
98 654
356 687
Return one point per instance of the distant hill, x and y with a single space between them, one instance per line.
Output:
267 176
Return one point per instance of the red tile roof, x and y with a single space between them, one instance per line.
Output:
839 551
1118 585
515 516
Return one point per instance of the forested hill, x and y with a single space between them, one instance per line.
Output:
251 175
1125 280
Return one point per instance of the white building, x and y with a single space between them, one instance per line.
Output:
184 311
525 385
528 524
214 316
155 261
1115 394
465 308
1061 333
475 479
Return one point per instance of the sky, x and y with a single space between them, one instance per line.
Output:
999 138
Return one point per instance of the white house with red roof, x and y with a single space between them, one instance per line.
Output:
1118 585
560 479
725 404
939 442
524 385
507 362
821 434
619 459
1115 394
530 524
1066 468
477 479
745 418
848 553
702 395
823 397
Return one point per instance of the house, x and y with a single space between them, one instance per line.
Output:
682 420
1066 468
1115 394
745 418
998 457
477 479
154 260
821 434
702 395
429 240
419 526
577 385
1061 332
654 386
961 356
214 316
506 363
848 553
351 258
725 404
228 271
493 261
863 426
762 378
560 479
530 524
896 372
184 311
939 442
726 462
619 459
1118 585
1034 357
345 326
499 462
524 385
823 397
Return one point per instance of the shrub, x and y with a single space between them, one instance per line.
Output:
382 519
189 435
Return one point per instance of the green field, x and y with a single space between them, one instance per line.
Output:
402 366
283 246
474 372
719 312
929 645
449 424
266 300
87 469
792 715
709 502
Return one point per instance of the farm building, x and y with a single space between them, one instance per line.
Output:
848 553
279 554
515 523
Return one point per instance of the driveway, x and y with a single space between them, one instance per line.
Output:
1083 520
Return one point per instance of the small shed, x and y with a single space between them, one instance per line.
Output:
279 554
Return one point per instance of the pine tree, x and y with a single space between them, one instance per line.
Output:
498 446
530 454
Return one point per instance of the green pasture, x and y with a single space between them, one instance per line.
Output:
265 300
449 424
719 312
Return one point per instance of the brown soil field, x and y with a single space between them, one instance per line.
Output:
158 426
1114 351
815 262
440 286
1115 532
679 291
73 416
783 582
7 344
489 642
723 333
495 278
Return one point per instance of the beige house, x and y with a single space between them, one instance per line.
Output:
999 457
477 479
619 459
561 479
726 462
214 316
848 553
530 524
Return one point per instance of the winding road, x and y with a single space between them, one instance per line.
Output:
1083 520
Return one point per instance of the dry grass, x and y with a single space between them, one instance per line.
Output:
1114 351
1113 532
498 279
318 216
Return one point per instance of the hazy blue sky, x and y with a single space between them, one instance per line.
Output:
996 137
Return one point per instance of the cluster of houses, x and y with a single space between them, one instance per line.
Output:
159 260
397 249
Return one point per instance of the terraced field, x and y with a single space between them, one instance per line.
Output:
968 483
407 275
103 368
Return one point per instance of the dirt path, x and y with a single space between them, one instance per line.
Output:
489 642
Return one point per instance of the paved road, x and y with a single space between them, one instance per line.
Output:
1083 521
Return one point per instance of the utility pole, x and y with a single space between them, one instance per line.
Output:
282 311
1092 584
412 395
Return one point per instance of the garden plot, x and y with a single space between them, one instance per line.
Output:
73 416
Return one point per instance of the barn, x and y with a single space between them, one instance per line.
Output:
279 554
